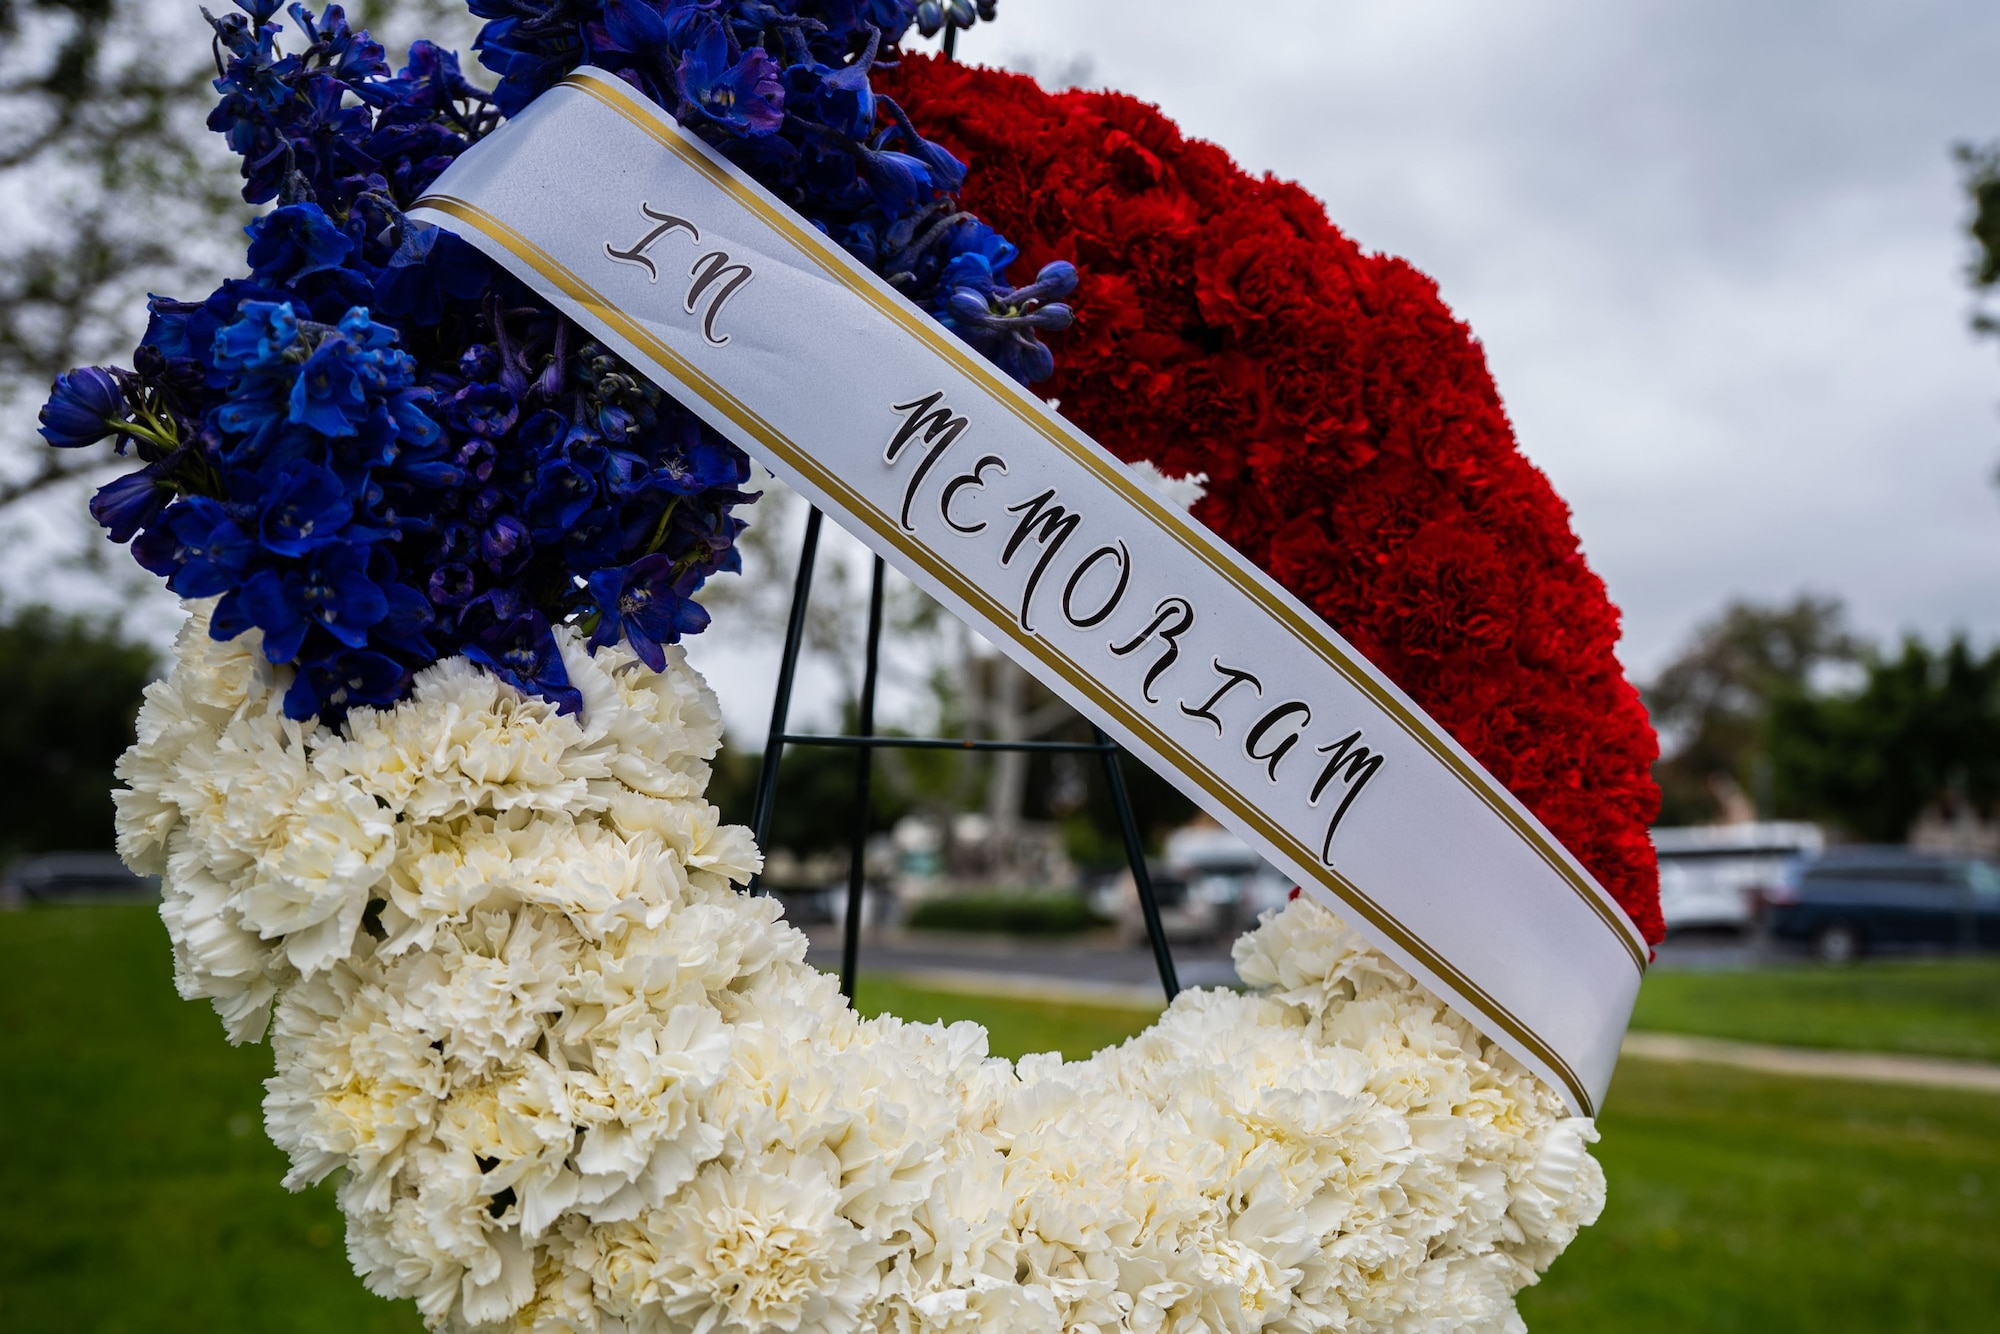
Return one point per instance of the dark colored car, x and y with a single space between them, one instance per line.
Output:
1847 901
74 877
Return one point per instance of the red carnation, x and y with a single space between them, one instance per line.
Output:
1355 446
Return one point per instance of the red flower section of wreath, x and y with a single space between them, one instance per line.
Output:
1355 445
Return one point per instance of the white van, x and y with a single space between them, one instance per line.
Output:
1710 874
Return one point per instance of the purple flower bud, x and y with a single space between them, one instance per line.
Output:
452 585
126 504
85 406
505 545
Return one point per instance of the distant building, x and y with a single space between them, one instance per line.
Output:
1954 826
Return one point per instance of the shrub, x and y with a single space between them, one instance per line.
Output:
69 690
1014 914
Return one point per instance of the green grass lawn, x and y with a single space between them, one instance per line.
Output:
140 1193
1927 1007
1758 1203
1013 1027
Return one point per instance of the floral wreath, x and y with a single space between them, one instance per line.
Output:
425 785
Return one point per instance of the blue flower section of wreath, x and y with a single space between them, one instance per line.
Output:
380 449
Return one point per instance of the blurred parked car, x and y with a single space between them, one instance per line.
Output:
1710 875
74 877
1850 900
1183 919
1209 886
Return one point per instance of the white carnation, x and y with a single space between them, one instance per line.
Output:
761 1246
358 1075
576 1081
215 954
636 1107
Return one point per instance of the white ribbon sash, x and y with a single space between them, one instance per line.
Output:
1122 605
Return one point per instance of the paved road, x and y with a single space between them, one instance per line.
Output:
1095 963
1113 969
1711 951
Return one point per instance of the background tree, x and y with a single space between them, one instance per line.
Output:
112 186
1922 731
69 690
1980 167
1712 704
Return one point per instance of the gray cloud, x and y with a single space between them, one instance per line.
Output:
1713 251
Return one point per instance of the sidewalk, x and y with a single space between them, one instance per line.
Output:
1816 1063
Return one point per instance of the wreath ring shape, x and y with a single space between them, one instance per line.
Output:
452 853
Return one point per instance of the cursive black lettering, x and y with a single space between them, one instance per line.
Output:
939 426
1360 764
636 252
1269 758
1232 678
712 268
1048 523
1117 594
1173 618
929 416
959 483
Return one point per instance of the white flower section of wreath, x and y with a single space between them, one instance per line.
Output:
572 1079
1183 493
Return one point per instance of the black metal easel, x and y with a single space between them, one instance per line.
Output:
865 743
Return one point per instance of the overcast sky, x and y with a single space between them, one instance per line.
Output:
1714 251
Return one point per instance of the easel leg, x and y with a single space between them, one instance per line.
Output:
1135 854
781 702
864 771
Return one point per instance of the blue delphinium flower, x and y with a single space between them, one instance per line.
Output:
523 652
330 590
1002 322
946 171
330 393
744 94
198 548
430 270
379 448
260 338
305 509
485 410
341 681
648 603
295 241
704 464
